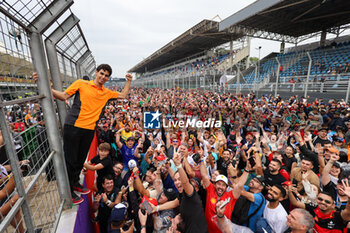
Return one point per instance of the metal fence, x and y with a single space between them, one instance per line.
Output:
42 36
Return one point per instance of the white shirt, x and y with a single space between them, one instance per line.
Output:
276 218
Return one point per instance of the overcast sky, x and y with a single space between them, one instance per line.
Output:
124 32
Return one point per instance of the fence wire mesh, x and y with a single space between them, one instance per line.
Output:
29 196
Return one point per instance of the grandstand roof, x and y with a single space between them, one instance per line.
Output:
293 17
202 36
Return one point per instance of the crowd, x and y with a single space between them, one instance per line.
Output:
267 164
273 165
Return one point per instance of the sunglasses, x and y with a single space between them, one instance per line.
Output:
323 200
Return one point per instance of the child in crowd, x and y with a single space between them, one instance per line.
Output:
102 163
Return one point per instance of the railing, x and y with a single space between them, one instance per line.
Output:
31 152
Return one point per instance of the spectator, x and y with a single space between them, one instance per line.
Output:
274 213
299 220
101 163
304 173
105 200
216 192
128 150
272 175
189 200
326 218
250 206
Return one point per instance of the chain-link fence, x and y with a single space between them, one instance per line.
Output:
33 181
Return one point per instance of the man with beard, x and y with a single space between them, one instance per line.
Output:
272 175
327 219
274 213
250 206
217 192
224 161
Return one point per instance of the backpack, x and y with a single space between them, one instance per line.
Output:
240 212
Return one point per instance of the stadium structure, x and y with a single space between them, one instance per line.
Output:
215 55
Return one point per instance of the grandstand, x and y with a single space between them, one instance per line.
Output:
303 69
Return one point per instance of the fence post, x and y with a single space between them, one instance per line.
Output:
277 76
38 54
347 92
238 81
12 155
308 75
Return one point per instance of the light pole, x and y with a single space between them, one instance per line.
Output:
257 73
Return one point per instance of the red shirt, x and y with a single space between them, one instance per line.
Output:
326 223
210 208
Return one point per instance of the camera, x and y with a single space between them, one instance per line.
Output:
196 158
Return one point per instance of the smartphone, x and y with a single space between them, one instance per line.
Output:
225 203
147 206
251 161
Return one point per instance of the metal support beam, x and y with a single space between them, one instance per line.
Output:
277 76
51 52
38 55
63 29
13 18
238 81
308 75
41 23
56 78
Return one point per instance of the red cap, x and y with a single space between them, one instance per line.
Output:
288 183
105 125
160 158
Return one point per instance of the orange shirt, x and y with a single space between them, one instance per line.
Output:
88 103
210 207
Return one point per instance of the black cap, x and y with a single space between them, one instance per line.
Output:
170 193
261 180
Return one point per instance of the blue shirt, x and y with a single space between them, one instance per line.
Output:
258 198
128 154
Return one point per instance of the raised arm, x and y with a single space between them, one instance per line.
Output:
325 174
204 172
223 223
124 93
345 214
138 184
188 188
117 138
293 200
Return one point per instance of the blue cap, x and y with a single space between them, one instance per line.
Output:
118 213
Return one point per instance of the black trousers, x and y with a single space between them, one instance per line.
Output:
76 145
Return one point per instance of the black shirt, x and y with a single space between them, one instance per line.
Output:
104 211
107 168
289 163
222 166
192 213
321 141
118 182
273 179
